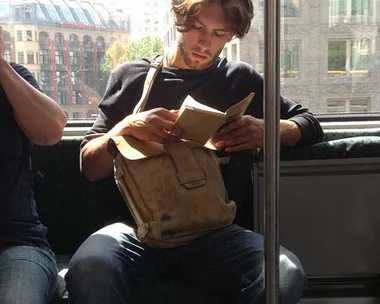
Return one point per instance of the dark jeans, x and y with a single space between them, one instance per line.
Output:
228 261
27 275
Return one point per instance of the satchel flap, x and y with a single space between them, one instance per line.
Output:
134 149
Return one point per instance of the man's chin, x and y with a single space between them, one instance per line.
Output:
199 65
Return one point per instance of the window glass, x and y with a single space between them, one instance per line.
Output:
330 56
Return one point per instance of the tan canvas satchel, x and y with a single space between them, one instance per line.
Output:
174 191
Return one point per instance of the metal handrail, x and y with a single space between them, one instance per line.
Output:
272 148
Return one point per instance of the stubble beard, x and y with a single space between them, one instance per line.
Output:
194 64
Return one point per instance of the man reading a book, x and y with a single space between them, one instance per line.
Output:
227 261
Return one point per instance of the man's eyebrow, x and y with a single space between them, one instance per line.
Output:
216 30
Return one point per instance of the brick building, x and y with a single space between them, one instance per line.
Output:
63 42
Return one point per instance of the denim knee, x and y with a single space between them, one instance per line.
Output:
292 277
86 270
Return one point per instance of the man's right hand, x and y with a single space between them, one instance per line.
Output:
153 125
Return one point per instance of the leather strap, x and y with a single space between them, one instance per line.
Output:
188 172
155 67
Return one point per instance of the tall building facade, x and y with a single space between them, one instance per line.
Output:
63 43
330 60
147 18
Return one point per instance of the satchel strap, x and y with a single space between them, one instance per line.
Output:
155 67
188 172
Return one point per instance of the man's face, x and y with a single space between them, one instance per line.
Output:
200 46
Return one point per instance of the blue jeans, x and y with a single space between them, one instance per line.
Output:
27 275
228 261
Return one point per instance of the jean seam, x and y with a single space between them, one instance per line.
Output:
49 296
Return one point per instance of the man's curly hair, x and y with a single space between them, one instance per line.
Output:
239 14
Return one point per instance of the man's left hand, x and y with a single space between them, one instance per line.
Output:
242 134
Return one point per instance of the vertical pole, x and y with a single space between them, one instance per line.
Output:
272 148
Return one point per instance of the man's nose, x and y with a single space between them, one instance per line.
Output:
204 41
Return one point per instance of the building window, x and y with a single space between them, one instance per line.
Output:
88 77
74 58
44 57
59 57
7 54
289 60
87 41
6 37
30 58
59 40
61 78
20 57
45 77
29 36
100 57
289 8
19 35
61 97
43 38
349 57
75 77
100 43
28 13
350 7
73 40
87 58
8 45
353 106
75 97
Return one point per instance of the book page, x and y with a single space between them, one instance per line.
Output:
190 102
237 110
199 126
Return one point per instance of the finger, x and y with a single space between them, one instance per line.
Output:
166 114
230 127
164 134
234 141
231 134
170 127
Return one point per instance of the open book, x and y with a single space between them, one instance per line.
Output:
200 122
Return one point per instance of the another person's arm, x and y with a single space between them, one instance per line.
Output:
39 117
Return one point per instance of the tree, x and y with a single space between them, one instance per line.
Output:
122 52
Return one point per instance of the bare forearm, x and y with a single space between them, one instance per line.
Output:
290 133
96 161
40 117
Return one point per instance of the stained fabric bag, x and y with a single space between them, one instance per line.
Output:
174 191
